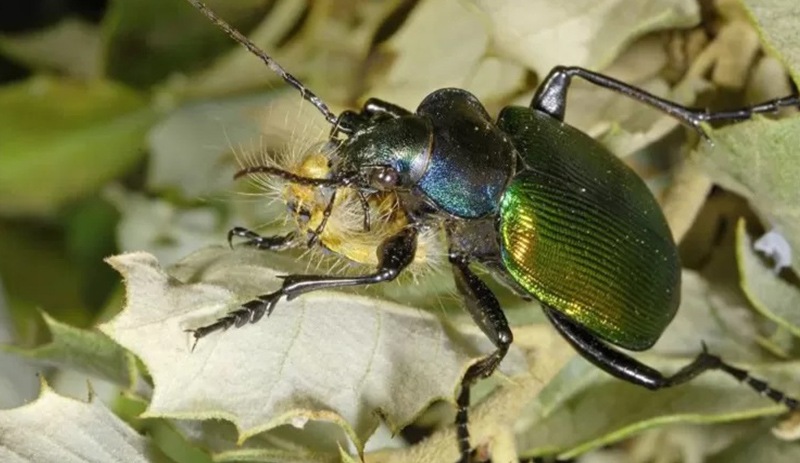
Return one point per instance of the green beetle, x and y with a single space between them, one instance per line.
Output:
545 207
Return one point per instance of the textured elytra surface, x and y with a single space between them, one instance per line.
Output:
582 232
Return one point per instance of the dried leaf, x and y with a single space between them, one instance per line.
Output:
55 428
324 356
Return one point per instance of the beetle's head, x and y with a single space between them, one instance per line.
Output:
390 154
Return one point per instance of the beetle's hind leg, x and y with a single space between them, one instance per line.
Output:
487 314
631 370
551 98
394 255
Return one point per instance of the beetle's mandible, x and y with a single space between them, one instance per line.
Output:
544 207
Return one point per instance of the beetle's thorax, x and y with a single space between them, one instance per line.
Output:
472 161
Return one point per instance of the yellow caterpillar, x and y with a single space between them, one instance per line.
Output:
343 234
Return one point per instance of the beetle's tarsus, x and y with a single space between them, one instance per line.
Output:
758 385
462 423
250 312
263 305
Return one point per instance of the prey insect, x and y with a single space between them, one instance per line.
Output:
541 205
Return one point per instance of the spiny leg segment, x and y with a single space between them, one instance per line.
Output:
395 254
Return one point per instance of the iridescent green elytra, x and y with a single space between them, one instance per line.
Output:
582 233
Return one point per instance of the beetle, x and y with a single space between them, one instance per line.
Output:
547 209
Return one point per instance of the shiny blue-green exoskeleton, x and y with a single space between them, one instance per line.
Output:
544 207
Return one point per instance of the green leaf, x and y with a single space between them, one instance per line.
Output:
173 444
771 296
28 258
148 40
71 47
316 441
759 446
86 351
56 428
62 140
90 236
758 160
324 356
778 28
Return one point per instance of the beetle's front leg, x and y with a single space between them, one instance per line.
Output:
551 98
375 107
394 255
373 110
487 314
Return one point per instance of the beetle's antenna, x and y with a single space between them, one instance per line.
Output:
307 94
291 177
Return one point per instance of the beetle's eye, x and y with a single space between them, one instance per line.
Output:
384 178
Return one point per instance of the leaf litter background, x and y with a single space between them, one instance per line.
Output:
118 134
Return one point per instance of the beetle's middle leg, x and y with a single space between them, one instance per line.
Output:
394 255
487 314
